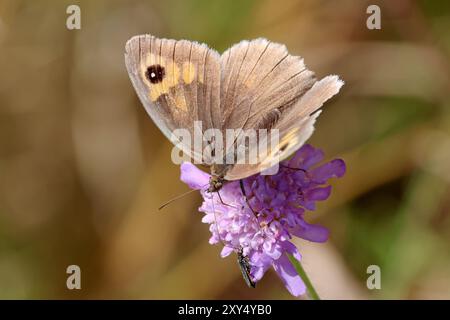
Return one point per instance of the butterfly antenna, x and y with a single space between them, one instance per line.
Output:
176 198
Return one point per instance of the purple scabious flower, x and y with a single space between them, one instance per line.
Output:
272 211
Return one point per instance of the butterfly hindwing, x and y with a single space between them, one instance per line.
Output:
295 127
258 78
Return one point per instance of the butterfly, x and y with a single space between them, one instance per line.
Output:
254 84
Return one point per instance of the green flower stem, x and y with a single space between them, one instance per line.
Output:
301 272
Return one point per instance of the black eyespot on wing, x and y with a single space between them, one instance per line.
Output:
155 73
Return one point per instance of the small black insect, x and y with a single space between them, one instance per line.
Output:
155 73
244 265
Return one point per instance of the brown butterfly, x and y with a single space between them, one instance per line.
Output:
254 84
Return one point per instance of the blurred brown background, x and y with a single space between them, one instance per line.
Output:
83 169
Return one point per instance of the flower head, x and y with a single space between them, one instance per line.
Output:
260 214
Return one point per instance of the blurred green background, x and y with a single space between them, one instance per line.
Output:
83 169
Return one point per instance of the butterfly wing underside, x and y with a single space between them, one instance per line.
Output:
295 126
178 82
259 81
264 87
253 85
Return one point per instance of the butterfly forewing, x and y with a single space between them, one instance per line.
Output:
178 83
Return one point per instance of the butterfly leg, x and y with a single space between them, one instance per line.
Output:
225 204
241 184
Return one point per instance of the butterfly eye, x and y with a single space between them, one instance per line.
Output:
155 73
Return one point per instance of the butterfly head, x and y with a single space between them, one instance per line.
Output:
215 183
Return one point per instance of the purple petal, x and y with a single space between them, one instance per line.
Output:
226 251
257 272
310 232
292 249
260 264
332 169
208 218
309 205
289 276
306 157
193 176
318 194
